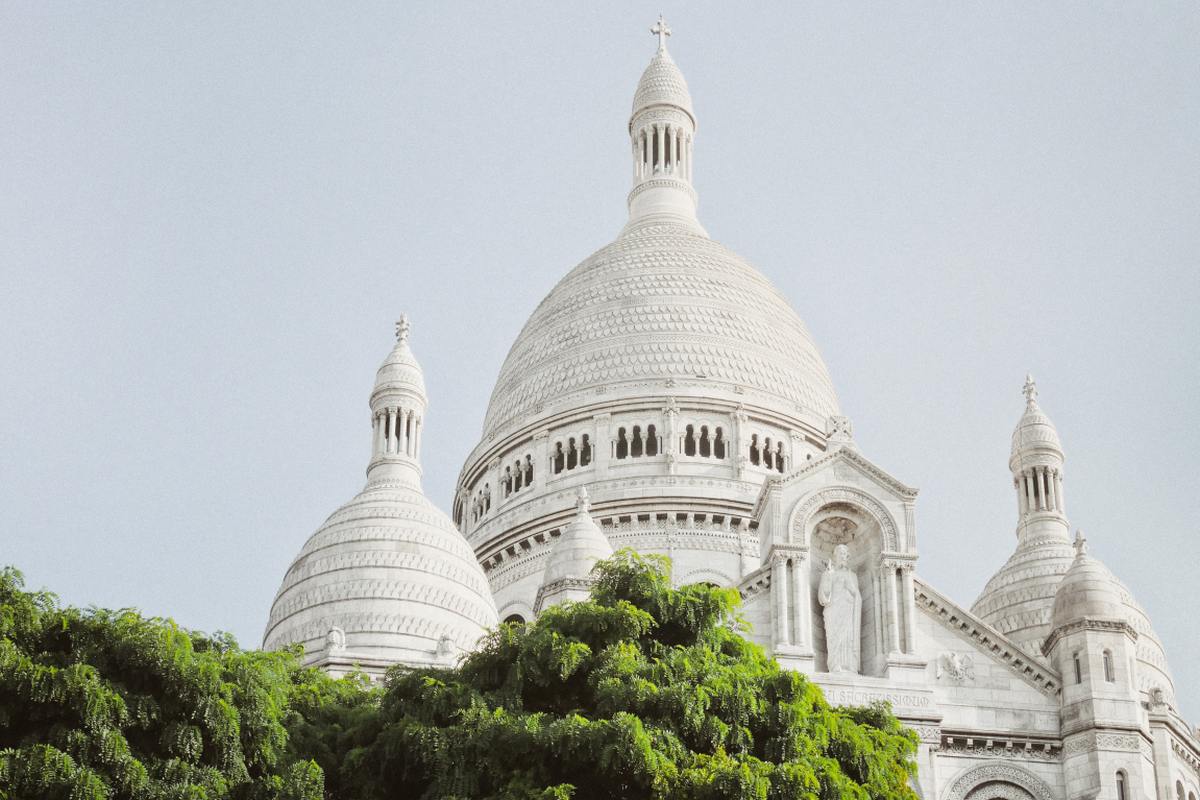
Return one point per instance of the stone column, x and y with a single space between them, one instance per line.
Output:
736 441
1021 508
1052 490
391 431
541 458
779 593
800 601
893 611
418 428
910 607
377 443
601 446
1062 499
661 150
1030 503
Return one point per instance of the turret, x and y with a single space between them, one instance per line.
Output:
661 130
1036 464
568 574
1094 647
398 404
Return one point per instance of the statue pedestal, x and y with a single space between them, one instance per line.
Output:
797 659
906 669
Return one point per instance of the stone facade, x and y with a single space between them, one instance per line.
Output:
665 397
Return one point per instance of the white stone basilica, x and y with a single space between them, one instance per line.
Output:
666 397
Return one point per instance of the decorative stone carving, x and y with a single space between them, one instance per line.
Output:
335 640
1000 779
842 603
957 667
844 494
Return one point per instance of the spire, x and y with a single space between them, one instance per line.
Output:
1080 545
582 504
661 130
398 404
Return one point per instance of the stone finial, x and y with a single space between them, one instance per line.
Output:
661 30
1081 545
582 504
403 326
1030 390
839 431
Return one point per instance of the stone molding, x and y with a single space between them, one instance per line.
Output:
805 508
1001 773
991 641
1089 741
1001 746
1102 625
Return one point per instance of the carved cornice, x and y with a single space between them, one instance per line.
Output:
1000 745
844 454
988 639
1102 625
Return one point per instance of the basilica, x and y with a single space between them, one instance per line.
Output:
666 397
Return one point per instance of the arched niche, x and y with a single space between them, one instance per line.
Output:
998 781
841 523
803 518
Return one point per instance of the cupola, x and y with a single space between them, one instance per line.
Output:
569 568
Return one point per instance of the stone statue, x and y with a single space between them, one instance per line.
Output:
839 596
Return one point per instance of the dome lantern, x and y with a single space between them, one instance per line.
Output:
398 404
662 127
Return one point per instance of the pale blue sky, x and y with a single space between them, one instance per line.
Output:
211 214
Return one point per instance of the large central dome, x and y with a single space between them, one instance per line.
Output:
661 302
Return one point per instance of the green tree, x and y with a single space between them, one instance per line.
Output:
108 704
644 691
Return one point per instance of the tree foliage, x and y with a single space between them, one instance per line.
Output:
108 704
644 691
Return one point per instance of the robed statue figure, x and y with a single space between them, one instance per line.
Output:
842 602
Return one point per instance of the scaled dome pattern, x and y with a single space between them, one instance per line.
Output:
392 572
662 84
663 301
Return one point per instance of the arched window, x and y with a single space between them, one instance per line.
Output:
514 619
487 497
636 447
779 457
585 451
572 454
719 444
705 443
689 441
1078 668
754 456
768 454
1109 674
508 481
1121 785
1179 790
622 444
651 441
518 476
528 470
560 458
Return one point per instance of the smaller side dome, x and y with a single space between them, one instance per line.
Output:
579 547
1088 591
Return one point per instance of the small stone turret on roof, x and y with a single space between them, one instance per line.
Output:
1087 592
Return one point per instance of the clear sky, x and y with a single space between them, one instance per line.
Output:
212 213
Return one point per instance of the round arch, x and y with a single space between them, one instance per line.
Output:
706 575
998 781
798 528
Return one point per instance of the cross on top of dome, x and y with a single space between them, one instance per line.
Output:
1030 390
661 30
403 326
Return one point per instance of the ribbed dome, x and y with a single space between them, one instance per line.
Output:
661 303
391 571
577 550
1034 430
1019 598
1087 591
662 84
400 370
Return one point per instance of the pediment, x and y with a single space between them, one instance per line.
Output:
848 464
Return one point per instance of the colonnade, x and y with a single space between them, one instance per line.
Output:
662 147
397 431
1040 489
